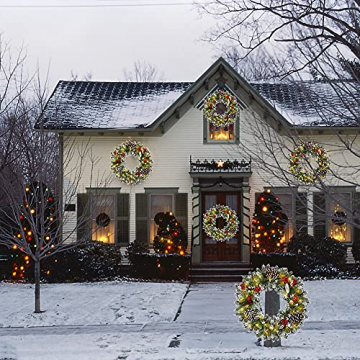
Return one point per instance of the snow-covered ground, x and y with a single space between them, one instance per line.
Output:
90 303
205 330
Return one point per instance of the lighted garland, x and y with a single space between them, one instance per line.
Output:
141 153
305 151
228 231
221 108
248 306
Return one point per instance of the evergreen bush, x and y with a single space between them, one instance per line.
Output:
356 249
318 257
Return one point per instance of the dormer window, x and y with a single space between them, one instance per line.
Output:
221 111
221 134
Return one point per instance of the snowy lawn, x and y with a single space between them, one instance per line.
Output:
330 300
90 303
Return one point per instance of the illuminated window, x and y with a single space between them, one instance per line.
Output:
159 203
103 218
218 134
339 205
287 206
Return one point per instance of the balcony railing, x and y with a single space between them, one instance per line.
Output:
219 166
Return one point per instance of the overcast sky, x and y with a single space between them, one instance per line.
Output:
105 36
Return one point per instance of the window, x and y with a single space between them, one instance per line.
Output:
338 206
159 203
218 134
103 218
287 205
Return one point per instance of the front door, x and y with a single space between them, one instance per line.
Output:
224 250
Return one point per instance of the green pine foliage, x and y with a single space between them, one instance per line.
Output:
268 224
171 237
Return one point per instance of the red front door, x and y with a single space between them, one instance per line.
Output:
224 250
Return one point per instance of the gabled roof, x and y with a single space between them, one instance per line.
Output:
85 105
108 105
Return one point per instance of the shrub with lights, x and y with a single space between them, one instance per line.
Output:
248 305
268 223
171 237
32 206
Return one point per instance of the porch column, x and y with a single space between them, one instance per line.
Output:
196 224
310 212
245 223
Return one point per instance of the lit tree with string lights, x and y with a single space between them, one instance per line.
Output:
268 223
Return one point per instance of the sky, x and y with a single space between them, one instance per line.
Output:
104 37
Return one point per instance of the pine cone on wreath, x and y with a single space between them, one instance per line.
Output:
251 314
271 273
296 318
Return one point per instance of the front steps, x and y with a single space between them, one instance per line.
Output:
219 271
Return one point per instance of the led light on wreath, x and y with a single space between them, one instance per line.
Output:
221 108
248 304
228 231
301 156
141 153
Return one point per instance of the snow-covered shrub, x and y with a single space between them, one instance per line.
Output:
135 247
162 266
356 249
90 261
318 257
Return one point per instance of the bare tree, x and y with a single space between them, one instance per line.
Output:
142 72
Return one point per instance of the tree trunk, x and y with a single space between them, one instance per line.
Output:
37 287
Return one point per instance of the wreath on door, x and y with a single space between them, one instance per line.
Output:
230 217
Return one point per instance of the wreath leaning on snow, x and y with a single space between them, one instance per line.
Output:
141 153
221 108
248 306
228 231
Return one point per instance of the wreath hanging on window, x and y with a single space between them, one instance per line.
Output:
102 220
141 153
228 231
303 153
339 218
221 109
248 306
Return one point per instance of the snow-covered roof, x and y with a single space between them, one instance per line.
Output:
130 105
109 105
314 103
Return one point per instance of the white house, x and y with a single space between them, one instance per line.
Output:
94 118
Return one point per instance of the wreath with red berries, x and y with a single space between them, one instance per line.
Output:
221 108
248 305
302 154
228 231
141 153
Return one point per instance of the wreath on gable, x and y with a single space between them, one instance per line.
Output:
228 231
248 306
221 109
303 153
141 153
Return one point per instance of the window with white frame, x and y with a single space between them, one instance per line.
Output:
287 205
159 203
220 134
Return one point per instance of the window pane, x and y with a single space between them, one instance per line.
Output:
339 206
221 133
232 203
158 203
103 230
286 201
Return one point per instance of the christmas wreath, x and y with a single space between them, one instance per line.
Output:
228 231
102 220
221 108
305 152
248 306
140 152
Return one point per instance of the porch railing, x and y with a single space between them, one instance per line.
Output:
219 166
